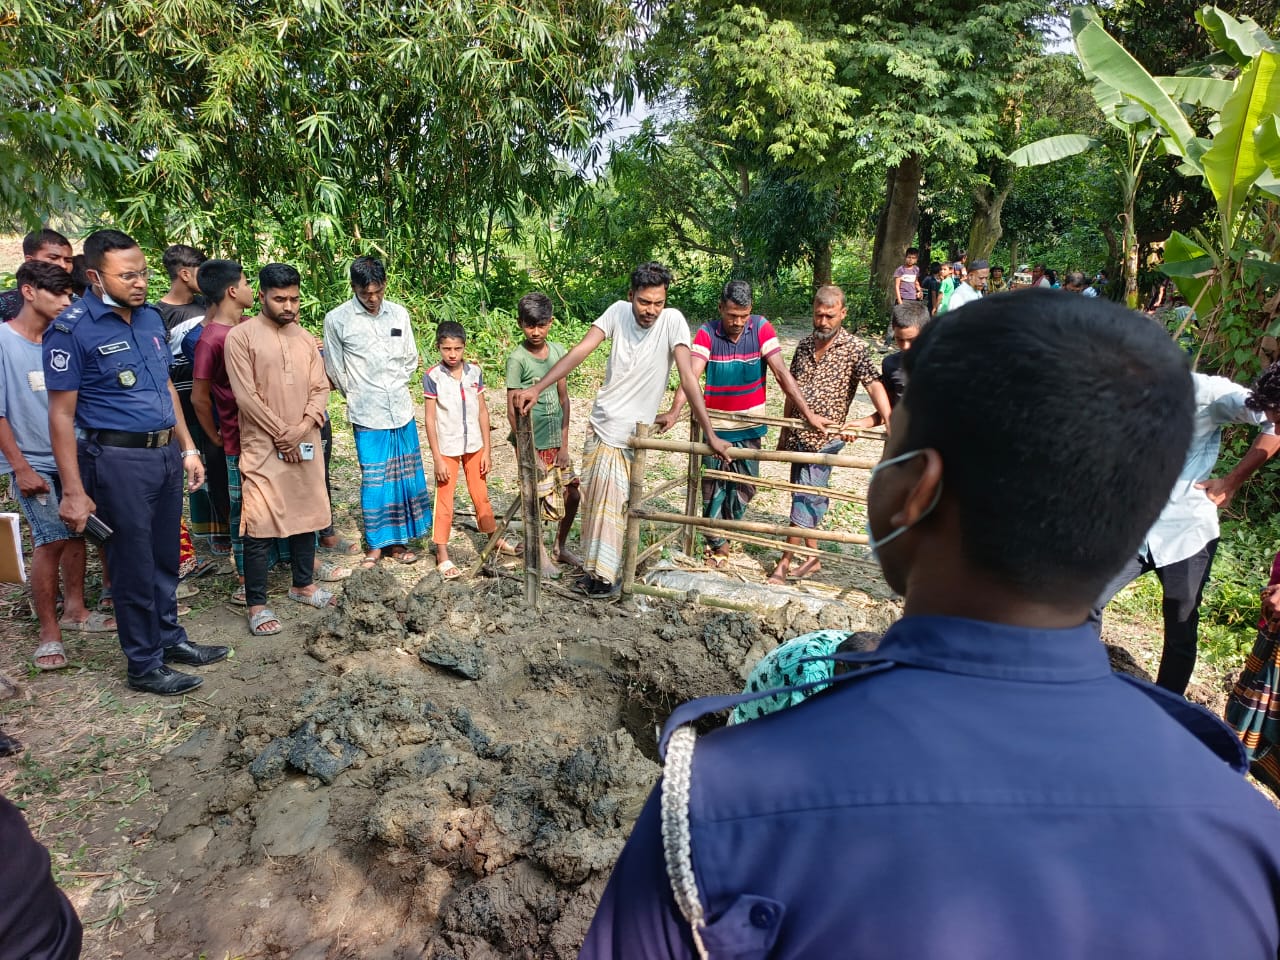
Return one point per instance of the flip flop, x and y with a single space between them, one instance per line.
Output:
105 602
202 569
321 599
331 572
50 648
343 547
237 596
368 563
449 570
96 622
186 591
404 556
264 616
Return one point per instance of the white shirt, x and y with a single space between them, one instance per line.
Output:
1190 520
635 380
370 359
962 294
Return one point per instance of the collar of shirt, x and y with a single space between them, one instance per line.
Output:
358 308
93 307
999 651
718 328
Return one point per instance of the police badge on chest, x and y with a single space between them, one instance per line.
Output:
126 378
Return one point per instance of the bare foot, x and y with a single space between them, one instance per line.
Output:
779 574
808 568
564 556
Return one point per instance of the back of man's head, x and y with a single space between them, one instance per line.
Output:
179 255
1062 423
101 242
216 277
1076 280
44 276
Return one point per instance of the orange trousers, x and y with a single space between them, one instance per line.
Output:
442 512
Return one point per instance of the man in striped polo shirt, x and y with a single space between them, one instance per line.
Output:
734 351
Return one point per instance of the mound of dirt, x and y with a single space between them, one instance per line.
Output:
460 770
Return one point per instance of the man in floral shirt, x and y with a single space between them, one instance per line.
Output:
828 364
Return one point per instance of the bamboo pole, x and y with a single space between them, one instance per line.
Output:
635 494
494 537
691 494
795 423
772 484
800 549
656 547
527 457
691 596
743 453
662 488
747 526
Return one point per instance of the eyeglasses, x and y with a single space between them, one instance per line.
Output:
130 277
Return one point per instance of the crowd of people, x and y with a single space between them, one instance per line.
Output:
1044 449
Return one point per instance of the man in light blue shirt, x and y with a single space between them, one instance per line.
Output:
1181 545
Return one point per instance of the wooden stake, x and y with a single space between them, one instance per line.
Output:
748 526
743 453
494 537
692 494
527 457
691 596
772 484
635 497
795 423
662 488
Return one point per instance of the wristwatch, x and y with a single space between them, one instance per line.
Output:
190 453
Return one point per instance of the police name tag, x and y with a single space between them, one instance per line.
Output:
109 348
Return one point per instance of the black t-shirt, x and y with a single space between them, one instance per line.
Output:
10 304
893 377
930 285
174 313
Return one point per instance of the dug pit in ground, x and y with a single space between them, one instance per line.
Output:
433 772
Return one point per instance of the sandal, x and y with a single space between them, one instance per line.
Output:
258 620
321 598
186 591
368 563
105 602
50 649
201 569
331 572
343 547
404 555
237 596
505 549
94 623
449 570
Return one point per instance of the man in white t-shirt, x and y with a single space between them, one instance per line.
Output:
970 289
645 337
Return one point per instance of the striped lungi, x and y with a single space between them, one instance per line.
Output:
605 479
393 487
727 499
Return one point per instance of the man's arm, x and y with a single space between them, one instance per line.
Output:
438 462
335 359
202 403
253 407
29 481
75 506
897 288
665 421
880 400
562 458
1223 489
795 399
486 454
525 399
192 464
693 393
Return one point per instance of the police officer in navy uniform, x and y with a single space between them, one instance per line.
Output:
106 368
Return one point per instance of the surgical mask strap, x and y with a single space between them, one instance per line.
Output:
874 544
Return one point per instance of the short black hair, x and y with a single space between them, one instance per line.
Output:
1265 394
216 277
909 316
1042 407
736 292
101 242
911 250
44 276
367 272
179 255
935 267
278 276
535 310
450 330
37 240
979 265
651 274
79 279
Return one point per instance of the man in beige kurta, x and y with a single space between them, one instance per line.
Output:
281 390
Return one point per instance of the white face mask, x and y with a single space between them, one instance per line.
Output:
109 300
875 544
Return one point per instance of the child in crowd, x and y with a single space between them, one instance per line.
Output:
946 286
996 283
906 279
529 363
457 422
906 326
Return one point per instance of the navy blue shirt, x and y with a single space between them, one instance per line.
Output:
121 370
996 792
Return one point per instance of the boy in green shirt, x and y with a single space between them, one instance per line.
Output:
528 364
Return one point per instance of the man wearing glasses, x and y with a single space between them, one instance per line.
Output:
106 365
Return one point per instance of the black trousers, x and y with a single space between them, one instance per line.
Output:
257 559
326 443
1183 585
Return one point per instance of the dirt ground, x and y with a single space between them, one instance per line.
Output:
431 770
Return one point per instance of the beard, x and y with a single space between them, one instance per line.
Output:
824 337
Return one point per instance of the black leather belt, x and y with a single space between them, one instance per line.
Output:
123 438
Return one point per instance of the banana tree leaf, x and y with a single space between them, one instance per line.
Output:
1052 148
1198 267
1265 270
1208 92
1267 139
1183 260
1241 39
1234 162
1102 57
1269 183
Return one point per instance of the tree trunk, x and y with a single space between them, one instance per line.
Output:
924 237
985 228
821 263
897 224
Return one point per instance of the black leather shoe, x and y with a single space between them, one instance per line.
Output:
194 654
9 745
165 681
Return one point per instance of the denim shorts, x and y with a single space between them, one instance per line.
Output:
46 526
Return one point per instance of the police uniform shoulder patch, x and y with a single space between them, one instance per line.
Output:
61 327
59 360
